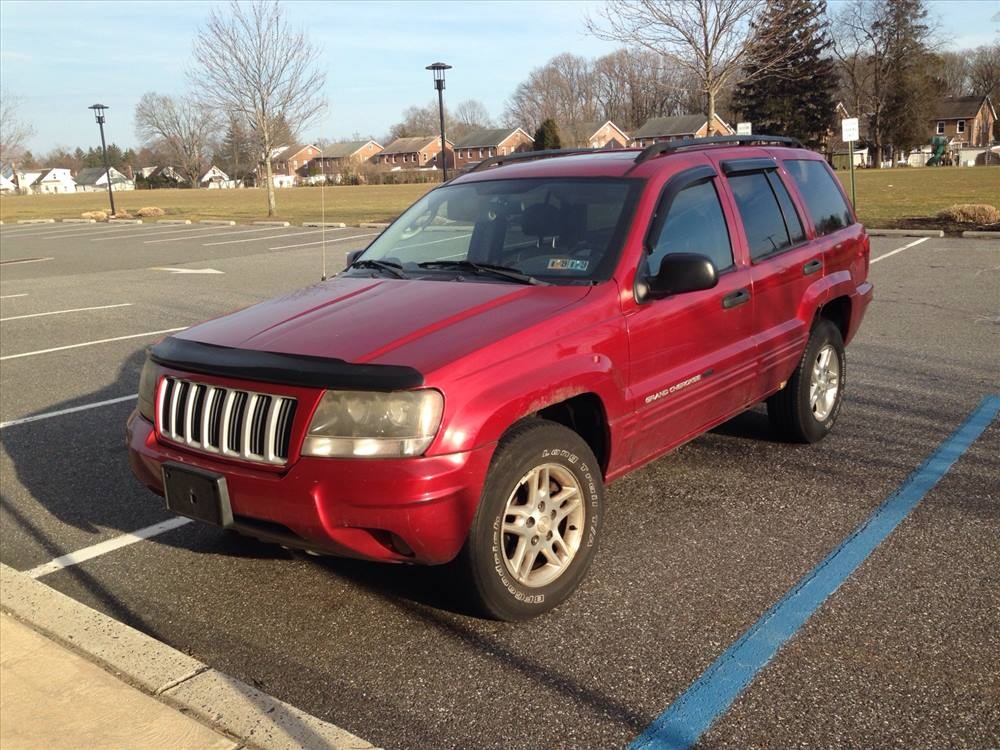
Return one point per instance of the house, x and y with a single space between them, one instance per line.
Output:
24 180
964 120
482 144
215 178
679 126
6 185
55 180
94 179
598 135
419 152
293 161
163 176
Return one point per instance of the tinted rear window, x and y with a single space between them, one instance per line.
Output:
765 226
824 201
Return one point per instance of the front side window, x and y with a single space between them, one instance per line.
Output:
560 230
825 203
770 227
694 223
961 126
940 127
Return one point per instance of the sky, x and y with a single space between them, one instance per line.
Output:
61 57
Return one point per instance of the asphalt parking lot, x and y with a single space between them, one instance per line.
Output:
697 546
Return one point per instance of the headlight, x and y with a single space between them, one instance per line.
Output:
147 390
371 424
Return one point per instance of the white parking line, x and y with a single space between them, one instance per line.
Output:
217 234
90 343
62 312
102 548
260 239
320 242
66 231
900 249
11 296
152 232
22 261
61 412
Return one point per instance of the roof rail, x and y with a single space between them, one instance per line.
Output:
669 147
495 161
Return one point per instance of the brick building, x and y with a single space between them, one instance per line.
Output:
422 151
964 120
482 144
680 126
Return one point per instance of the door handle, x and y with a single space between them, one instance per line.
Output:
812 267
736 298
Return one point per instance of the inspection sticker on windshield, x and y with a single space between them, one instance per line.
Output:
568 264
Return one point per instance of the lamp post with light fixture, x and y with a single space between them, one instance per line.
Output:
438 69
99 114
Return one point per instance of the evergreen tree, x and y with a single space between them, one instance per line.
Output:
547 136
796 98
911 88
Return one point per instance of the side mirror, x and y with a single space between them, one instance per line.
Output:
353 255
680 273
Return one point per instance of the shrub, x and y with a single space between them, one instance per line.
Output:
150 211
971 213
96 215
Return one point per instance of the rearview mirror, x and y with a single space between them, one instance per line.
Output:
353 255
680 273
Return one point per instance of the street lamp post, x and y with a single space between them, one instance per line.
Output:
438 69
99 114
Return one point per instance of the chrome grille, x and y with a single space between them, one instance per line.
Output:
225 421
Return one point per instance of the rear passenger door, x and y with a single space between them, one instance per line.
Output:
783 263
693 354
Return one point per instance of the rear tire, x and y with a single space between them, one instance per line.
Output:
805 410
535 532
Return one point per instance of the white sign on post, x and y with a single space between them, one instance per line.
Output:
743 128
849 126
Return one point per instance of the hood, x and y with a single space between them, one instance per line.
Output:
420 323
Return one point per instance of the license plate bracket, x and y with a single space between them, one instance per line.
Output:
196 493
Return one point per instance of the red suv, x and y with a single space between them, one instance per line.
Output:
518 338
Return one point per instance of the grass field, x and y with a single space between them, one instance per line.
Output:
885 198
350 204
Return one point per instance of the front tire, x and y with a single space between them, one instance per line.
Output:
535 532
806 408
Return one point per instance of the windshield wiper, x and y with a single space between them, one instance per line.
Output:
393 269
487 269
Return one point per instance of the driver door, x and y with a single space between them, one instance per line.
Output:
693 354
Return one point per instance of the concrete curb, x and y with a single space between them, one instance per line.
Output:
219 222
980 235
271 224
124 221
217 700
36 221
906 233
327 224
173 221
77 221
373 225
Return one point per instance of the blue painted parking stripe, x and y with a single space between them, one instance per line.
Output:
711 695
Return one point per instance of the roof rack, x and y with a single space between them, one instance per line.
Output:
495 161
669 147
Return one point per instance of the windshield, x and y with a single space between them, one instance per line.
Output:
559 230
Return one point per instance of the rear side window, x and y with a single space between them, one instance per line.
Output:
768 214
694 224
824 201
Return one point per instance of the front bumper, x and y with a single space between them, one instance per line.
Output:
403 510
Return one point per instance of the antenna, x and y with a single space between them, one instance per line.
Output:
322 212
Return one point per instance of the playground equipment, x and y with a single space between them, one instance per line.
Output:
939 146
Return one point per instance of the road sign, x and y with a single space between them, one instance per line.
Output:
743 128
849 127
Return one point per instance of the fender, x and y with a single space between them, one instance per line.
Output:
479 421
831 286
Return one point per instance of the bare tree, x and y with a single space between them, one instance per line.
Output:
14 132
708 38
954 72
181 128
984 72
420 121
470 115
250 62
564 90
